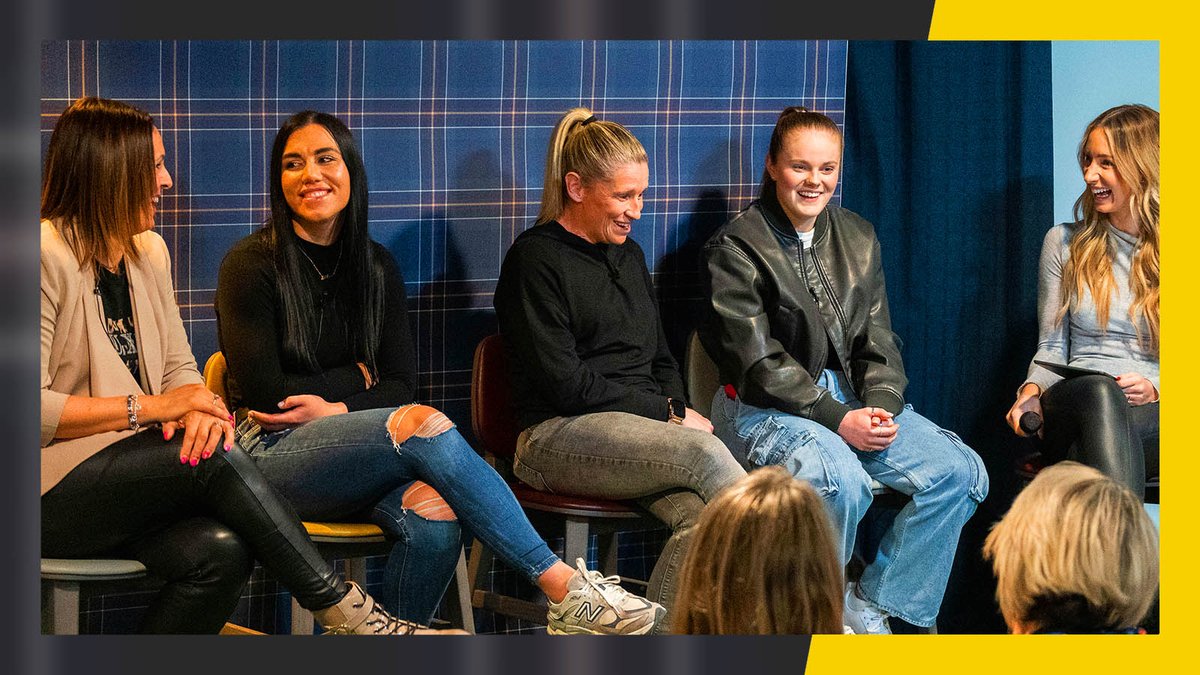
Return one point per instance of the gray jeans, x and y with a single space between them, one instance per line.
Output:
671 471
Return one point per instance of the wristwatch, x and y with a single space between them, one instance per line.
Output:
676 410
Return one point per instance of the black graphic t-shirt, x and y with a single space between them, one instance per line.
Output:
113 290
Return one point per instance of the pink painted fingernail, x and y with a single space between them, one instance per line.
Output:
165 435
195 461
183 459
231 418
207 454
228 447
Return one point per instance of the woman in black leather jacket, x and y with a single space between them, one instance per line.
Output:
799 326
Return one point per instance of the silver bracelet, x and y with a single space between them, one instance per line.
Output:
132 407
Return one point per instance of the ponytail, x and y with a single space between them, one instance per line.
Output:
592 148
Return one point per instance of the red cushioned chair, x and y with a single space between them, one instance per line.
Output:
493 418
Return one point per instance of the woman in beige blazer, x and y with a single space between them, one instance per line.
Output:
130 436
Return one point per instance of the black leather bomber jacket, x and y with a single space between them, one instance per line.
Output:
775 309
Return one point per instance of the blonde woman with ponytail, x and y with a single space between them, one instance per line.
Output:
597 392
1098 308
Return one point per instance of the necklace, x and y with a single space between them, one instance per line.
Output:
336 264
113 269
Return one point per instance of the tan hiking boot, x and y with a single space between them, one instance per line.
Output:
358 614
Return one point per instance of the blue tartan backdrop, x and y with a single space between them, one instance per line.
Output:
454 137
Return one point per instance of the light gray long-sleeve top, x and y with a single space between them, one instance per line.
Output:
1079 339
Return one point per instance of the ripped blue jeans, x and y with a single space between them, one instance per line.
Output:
347 467
945 478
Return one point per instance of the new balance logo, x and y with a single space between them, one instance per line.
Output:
587 612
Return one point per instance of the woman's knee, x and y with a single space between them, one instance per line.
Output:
1095 395
713 459
214 552
961 470
433 540
226 546
417 420
423 500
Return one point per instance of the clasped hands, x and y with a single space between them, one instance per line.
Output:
201 415
869 429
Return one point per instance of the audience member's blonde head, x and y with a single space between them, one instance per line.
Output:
1076 553
762 561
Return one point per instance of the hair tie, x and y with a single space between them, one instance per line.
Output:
588 121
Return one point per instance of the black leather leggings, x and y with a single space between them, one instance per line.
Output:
197 528
1088 420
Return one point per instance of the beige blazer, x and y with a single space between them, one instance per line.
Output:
79 360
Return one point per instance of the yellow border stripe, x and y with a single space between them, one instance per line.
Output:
1172 24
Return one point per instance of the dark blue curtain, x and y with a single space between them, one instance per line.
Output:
949 154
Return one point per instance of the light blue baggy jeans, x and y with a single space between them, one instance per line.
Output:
944 477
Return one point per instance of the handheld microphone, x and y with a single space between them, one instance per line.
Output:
1030 422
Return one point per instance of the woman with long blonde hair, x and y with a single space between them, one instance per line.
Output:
1098 309
762 562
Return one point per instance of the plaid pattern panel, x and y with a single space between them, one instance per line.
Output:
454 137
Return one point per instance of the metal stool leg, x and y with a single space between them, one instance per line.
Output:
356 571
575 542
60 608
459 610
607 552
302 620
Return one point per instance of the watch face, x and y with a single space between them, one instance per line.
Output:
678 408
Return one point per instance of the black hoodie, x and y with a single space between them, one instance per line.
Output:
581 328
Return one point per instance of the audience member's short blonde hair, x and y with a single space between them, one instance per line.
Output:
1076 553
762 561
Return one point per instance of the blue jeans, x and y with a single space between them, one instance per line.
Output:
346 466
945 478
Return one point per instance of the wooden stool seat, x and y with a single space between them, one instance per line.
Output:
349 533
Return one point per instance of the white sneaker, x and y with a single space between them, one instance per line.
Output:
862 616
596 604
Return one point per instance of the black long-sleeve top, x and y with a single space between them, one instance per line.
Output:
250 328
581 328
